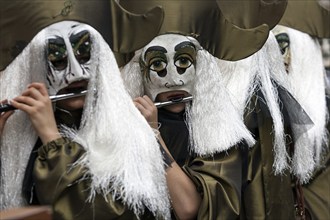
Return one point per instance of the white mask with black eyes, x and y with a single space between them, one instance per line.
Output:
283 41
68 48
168 63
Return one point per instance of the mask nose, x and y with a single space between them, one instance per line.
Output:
76 71
173 78
174 84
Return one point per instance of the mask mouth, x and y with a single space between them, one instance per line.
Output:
75 87
176 97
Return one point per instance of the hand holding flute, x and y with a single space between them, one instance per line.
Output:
149 109
55 98
36 94
4 107
36 103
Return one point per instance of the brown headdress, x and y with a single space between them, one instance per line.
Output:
204 20
252 13
20 21
307 16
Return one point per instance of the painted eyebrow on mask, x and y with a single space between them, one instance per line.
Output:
76 37
184 44
155 48
58 40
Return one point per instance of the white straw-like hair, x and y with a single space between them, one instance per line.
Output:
270 67
240 80
243 78
132 77
214 124
260 71
19 137
306 77
122 154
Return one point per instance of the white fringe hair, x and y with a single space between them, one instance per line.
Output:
132 76
19 136
244 77
122 153
270 65
306 77
214 124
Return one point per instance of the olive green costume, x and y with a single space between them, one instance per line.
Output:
269 196
217 178
266 196
65 187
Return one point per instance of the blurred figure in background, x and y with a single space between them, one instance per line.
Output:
284 102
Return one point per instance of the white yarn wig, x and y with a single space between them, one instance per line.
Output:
122 154
19 137
265 70
306 74
214 123
244 77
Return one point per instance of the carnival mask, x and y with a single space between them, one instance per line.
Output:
68 47
168 63
283 41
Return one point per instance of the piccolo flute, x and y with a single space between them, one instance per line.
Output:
172 102
53 98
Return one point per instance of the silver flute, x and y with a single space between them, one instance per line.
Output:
53 98
172 102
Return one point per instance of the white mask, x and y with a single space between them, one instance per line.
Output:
283 41
68 47
168 63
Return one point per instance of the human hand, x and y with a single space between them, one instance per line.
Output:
148 110
4 116
36 103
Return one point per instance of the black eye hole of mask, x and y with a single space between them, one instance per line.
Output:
158 65
185 56
183 62
283 41
57 53
156 60
81 45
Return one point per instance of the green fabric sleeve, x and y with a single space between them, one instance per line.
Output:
317 192
67 189
218 179
53 167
